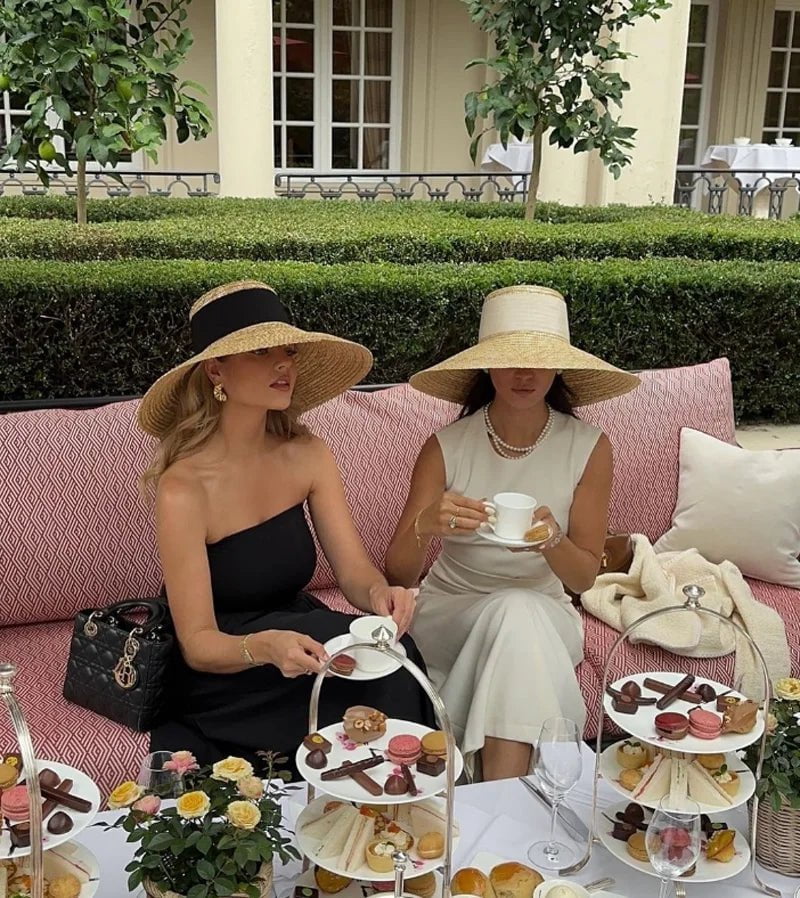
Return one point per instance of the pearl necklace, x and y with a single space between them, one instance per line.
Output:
505 449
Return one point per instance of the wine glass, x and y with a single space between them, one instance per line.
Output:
155 780
558 763
672 841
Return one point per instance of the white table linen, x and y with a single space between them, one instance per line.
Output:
516 157
770 160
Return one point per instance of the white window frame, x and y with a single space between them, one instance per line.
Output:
323 91
791 6
706 79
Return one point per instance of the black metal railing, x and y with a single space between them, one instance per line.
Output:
741 191
438 186
124 183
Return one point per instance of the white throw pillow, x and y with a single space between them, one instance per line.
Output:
740 505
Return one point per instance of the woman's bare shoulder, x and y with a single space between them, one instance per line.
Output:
181 490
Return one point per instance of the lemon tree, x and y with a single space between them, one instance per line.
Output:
101 81
553 75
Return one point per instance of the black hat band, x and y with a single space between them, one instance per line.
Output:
234 311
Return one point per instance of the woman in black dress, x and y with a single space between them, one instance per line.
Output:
233 474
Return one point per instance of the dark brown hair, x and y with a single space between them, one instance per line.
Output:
482 392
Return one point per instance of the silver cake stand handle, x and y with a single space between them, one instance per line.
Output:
7 673
383 644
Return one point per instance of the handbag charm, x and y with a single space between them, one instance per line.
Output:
124 672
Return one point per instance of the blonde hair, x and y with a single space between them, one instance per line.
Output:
197 417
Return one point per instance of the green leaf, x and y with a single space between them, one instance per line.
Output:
204 845
101 74
68 61
205 870
61 109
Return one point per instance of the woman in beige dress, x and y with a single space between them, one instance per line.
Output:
496 627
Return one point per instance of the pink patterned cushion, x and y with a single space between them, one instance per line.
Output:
73 528
376 438
644 427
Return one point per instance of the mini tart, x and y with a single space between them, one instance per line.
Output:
630 779
636 847
720 846
713 761
732 785
379 855
632 759
430 846
332 883
423 886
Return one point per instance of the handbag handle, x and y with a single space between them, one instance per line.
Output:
157 613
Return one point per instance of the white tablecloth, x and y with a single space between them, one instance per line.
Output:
499 818
516 157
769 160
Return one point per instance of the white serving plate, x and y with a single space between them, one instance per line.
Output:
83 787
610 770
485 861
69 858
358 889
707 871
417 866
348 789
641 724
345 641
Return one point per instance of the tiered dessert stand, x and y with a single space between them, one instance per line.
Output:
39 841
345 789
641 727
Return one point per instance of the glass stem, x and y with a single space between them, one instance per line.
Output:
551 849
664 890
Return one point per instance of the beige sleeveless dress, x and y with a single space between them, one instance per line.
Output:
497 631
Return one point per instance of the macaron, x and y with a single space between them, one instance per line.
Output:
8 776
404 750
14 804
704 724
344 665
435 744
671 725
637 848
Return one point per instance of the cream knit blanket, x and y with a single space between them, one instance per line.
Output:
656 580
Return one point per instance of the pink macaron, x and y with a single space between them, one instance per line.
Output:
404 750
14 804
704 724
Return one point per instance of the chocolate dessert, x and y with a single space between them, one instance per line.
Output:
430 765
395 785
314 741
317 759
59 824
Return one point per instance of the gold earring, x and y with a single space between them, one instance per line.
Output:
219 393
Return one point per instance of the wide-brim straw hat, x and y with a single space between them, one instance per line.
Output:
525 326
244 316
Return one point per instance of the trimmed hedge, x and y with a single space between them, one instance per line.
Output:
403 233
104 328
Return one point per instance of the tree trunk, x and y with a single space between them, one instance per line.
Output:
536 170
82 191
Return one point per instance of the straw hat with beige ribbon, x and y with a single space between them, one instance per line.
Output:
525 327
244 316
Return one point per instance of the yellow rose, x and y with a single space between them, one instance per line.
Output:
193 804
251 787
125 795
243 815
232 769
788 688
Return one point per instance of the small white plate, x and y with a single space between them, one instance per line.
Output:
358 889
71 858
487 533
345 641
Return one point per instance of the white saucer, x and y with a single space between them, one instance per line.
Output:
347 639
487 533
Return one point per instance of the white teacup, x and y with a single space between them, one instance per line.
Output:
512 514
741 141
783 141
361 630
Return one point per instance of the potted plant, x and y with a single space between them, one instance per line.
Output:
218 839
778 837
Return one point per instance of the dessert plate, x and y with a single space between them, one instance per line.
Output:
487 533
357 889
707 871
345 750
346 640
641 724
83 787
73 859
417 866
610 770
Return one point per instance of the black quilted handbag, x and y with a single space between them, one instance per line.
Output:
119 666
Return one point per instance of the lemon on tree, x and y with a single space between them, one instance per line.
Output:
5 81
124 89
47 152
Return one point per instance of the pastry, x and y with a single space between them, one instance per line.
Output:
330 882
713 761
636 847
471 881
720 846
315 741
631 755
622 831
404 750
344 665
379 855
435 744
538 533
724 702
672 725
675 693
630 779
408 776
664 688
398 836
395 785
632 689
363 724
421 886
9 775
317 759
68 886
59 824
740 718
349 767
624 704
14 804
706 692
430 846
430 765
514 880
728 780
704 724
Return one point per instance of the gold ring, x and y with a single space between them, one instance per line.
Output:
452 522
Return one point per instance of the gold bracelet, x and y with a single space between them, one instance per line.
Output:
246 653
417 534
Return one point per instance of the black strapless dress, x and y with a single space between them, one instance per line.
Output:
257 580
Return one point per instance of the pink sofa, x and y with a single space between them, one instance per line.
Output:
74 532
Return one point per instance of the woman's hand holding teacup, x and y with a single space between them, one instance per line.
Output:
543 515
451 515
395 602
